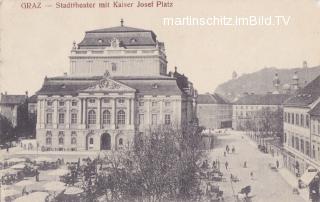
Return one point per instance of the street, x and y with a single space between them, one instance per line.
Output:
266 184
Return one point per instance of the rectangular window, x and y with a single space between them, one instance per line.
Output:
74 103
297 119
74 118
289 120
167 119
49 118
154 104
61 118
301 120
154 119
307 148
307 121
141 119
297 143
167 104
49 103
302 146
292 118
61 103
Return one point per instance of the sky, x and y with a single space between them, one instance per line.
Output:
36 42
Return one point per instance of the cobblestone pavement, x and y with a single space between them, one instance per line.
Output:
266 184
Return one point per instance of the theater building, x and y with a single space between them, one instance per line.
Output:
118 86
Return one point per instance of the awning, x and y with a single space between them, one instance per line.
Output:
308 175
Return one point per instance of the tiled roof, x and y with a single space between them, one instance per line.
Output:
32 99
143 85
211 99
12 99
306 95
119 29
262 99
315 111
127 36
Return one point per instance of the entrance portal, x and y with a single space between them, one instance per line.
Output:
105 142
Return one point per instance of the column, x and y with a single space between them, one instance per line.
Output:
68 113
42 112
112 111
85 112
38 114
132 111
115 113
99 114
55 113
79 114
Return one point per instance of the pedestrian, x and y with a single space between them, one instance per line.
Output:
7 148
251 175
277 164
227 148
24 191
224 153
214 164
226 165
37 175
233 149
244 164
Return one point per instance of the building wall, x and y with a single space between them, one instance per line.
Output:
142 113
213 115
241 113
10 112
118 62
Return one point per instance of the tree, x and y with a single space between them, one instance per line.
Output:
162 166
5 129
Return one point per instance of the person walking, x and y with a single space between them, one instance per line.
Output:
277 164
37 175
226 165
251 175
245 164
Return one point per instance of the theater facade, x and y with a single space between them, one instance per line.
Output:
118 86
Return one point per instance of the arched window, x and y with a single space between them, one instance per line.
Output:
120 141
73 140
92 117
121 117
61 140
48 140
106 117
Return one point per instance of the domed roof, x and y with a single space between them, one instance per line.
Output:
127 36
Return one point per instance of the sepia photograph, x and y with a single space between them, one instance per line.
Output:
159 101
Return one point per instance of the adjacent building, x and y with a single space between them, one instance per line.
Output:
302 131
247 107
118 86
9 105
213 111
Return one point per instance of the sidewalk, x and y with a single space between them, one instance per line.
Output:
286 175
293 181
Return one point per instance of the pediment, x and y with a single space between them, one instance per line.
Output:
109 85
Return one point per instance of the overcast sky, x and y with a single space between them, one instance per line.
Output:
37 42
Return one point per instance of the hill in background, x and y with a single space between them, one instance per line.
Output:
260 82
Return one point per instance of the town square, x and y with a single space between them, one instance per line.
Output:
123 104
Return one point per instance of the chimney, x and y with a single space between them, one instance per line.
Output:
26 93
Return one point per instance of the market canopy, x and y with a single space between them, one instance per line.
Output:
18 166
44 159
309 175
73 191
16 160
34 197
54 186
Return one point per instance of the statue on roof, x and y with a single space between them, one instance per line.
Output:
106 74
